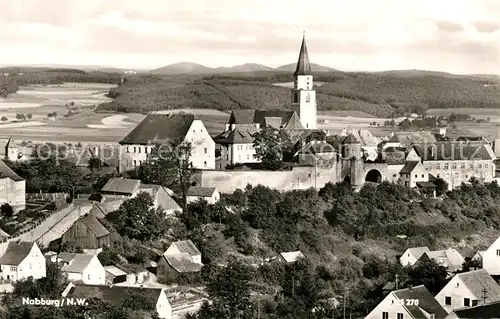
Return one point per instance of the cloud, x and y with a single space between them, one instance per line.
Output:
346 33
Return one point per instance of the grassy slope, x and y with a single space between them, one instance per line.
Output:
380 94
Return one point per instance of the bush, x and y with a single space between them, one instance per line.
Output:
6 210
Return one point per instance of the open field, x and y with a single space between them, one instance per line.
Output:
478 113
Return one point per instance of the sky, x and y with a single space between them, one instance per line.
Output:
457 36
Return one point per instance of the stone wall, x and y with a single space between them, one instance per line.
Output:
298 178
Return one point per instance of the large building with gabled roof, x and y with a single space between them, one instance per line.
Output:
167 129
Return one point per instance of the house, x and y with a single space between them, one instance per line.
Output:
9 149
412 173
210 194
411 255
487 311
114 275
410 303
449 258
87 233
468 289
12 188
21 260
167 129
118 295
3 235
100 210
181 257
162 198
290 257
478 255
129 188
81 268
491 258
458 162
121 187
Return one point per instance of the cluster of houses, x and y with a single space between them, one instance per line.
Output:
474 294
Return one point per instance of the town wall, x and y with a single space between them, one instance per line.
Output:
227 181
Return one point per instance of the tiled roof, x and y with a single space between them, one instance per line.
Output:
365 137
454 151
165 201
186 246
6 171
3 233
114 294
115 271
94 226
274 122
260 116
417 252
75 263
426 185
240 134
183 263
121 185
477 281
242 117
448 258
350 139
409 138
426 302
303 65
409 167
488 311
16 252
160 127
292 256
200 191
317 147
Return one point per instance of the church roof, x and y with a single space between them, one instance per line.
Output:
350 139
303 65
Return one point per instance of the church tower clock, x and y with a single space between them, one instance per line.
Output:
303 94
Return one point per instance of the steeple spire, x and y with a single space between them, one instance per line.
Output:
303 65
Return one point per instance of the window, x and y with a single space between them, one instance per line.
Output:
227 156
220 166
438 166
135 149
416 175
394 175
498 252
423 175
447 301
205 150
385 315
479 165
438 175
13 268
88 276
308 96
485 165
400 316
458 284
466 302
446 166
248 157
135 163
429 167
139 149
462 166
205 163
471 165
454 166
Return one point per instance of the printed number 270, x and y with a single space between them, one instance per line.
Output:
411 302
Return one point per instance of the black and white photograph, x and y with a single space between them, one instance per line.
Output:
249 159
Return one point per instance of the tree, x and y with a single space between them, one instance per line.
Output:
95 164
138 218
170 166
441 186
6 210
29 116
428 273
4 119
271 147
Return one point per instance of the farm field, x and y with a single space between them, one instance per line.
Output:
479 113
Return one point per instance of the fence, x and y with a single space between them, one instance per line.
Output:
48 220
46 196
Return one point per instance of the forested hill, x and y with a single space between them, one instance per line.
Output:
384 94
11 78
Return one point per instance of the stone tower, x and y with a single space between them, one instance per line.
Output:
303 94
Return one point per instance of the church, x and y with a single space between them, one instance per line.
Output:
235 145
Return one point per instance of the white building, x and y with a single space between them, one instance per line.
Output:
491 258
22 260
167 130
410 303
411 255
184 247
81 267
210 194
468 290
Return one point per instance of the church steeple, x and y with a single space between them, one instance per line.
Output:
303 65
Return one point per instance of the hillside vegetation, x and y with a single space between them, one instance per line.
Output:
384 94
18 76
